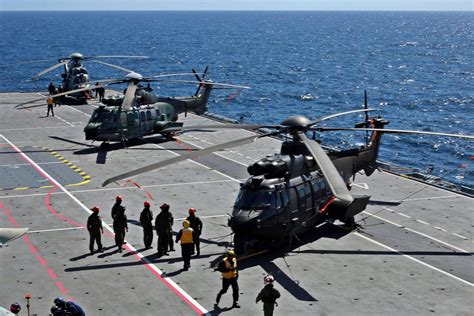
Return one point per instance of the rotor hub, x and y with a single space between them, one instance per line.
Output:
76 56
134 76
296 121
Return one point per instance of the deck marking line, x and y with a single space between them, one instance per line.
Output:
418 233
150 266
404 215
422 222
416 260
53 230
33 249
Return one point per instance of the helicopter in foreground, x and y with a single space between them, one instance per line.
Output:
293 191
140 112
76 76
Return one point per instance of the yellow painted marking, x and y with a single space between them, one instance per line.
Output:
86 177
54 153
46 186
22 188
76 184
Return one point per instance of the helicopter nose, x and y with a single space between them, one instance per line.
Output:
244 219
91 132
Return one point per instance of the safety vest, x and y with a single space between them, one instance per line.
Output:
186 236
50 101
232 273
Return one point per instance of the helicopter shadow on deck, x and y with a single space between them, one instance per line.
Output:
102 152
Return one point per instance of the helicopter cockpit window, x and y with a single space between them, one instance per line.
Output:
102 116
249 199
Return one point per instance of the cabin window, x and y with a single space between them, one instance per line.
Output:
149 116
284 197
316 190
143 116
131 119
157 112
309 197
322 184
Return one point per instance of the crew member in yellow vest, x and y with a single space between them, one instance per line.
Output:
50 103
186 236
228 268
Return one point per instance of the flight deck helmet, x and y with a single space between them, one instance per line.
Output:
15 308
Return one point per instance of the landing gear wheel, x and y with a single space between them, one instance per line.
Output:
168 136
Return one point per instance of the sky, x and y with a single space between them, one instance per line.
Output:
379 5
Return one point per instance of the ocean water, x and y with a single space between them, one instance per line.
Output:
418 68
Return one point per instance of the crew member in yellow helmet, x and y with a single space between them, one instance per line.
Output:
186 236
228 268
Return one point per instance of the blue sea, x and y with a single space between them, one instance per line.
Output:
418 68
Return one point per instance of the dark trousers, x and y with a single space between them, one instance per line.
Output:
162 243
225 286
147 236
186 250
170 241
196 246
50 108
268 309
119 237
95 237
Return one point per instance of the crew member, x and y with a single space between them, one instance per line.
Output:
268 295
196 225
120 227
117 206
186 236
61 307
51 88
228 268
163 227
146 218
94 226
50 103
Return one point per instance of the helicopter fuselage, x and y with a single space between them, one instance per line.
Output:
149 115
287 194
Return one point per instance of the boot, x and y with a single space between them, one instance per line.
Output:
218 298
236 304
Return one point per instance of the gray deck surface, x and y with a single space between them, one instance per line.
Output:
414 258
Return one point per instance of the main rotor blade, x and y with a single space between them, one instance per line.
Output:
116 56
111 65
339 114
203 82
215 126
175 74
129 95
390 131
77 90
48 70
189 155
336 183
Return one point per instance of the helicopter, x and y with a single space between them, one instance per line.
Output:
140 112
302 186
76 76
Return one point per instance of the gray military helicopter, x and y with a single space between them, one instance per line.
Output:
76 76
140 112
297 189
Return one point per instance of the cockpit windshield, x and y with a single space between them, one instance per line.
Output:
102 116
255 199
